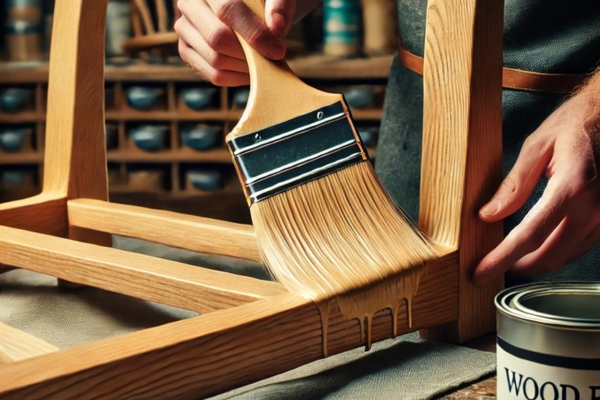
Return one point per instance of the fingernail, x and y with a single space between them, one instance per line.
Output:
276 50
490 208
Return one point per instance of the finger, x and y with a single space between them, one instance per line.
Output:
517 186
279 16
526 237
207 72
554 254
239 17
215 33
575 235
186 31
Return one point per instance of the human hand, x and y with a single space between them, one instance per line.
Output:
565 222
207 42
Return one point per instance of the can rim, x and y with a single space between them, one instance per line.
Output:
512 302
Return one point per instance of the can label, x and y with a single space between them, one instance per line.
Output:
524 374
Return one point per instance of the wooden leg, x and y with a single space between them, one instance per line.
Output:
43 214
463 81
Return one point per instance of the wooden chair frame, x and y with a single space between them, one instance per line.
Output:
249 329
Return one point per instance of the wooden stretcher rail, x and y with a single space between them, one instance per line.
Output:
213 353
43 213
16 345
150 278
199 234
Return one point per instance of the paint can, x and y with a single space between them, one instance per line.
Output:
548 344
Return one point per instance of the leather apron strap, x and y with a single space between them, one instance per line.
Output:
511 78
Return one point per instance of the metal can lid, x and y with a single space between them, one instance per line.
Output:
564 304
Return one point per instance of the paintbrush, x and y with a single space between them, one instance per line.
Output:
325 224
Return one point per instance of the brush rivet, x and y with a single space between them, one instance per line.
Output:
320 115
257 138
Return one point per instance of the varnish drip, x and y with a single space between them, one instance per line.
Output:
363 304
323 307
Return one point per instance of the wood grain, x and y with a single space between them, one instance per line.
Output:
44 213
75 160
176 284
212 353
462 146
178 230
17 345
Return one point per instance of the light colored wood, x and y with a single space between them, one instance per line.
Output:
258 329
215 352
75 160
168 282
44 213
462 146
274 83
17 345
184 231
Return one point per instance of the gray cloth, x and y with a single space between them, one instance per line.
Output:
401 368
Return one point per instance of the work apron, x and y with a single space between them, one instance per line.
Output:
547 36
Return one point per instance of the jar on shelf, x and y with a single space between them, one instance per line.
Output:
23 29
342 28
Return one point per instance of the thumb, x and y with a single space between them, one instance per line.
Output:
518 185
279 16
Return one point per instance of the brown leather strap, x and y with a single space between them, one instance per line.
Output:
511 78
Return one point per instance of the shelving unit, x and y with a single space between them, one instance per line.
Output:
164 172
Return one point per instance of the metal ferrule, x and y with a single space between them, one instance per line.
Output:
294 152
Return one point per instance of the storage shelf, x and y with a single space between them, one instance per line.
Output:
132 170
170 156
21 158
309 67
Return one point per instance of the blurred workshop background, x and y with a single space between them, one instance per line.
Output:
165 127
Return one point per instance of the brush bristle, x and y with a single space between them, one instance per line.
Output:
337 233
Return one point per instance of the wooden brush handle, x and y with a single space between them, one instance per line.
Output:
276 93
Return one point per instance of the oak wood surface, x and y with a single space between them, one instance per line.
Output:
168 282
462 146
75 160
197 357
178 230
16 345
44 213
262 329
